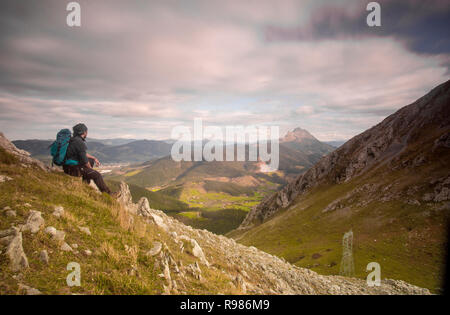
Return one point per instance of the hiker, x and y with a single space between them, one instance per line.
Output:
80 163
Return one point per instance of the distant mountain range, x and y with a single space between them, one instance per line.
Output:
299 150
123 150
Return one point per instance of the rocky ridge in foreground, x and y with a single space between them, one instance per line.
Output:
257 272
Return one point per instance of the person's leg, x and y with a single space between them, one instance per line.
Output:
89 173
72 170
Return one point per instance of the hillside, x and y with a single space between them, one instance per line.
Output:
50 219
389 184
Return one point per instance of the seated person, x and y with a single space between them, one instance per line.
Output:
77 152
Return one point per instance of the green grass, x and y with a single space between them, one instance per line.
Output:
191 214
132 173
228 188
218 222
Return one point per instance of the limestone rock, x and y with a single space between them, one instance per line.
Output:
22 155
59 236
28 290
159 221
156 249
4 178
34 222
15 253
124 197
43 257
85 230
65 247
198 252
50 230
143 207
59 211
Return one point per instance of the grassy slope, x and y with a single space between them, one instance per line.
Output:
407 240
107 270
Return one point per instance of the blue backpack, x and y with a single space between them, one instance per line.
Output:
58 149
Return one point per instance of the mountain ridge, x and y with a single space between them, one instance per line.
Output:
367 148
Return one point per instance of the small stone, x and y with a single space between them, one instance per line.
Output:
87 252
59 236
50 230
29 290
59 211
74 246
85 230
43 257
34 222
4 178
11 213
155 250
65 247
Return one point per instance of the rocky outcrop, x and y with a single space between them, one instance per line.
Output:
124 197
256 272
382 144
15 253
34 222
143 207
23 156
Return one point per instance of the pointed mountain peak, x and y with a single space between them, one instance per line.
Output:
297 135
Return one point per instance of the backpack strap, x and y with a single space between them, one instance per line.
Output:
71 162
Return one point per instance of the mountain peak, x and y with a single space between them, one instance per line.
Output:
297 135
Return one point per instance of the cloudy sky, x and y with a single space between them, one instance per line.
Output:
136 69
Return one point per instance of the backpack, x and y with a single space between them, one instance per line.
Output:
58 149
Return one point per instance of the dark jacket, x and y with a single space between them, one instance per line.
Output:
77 150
